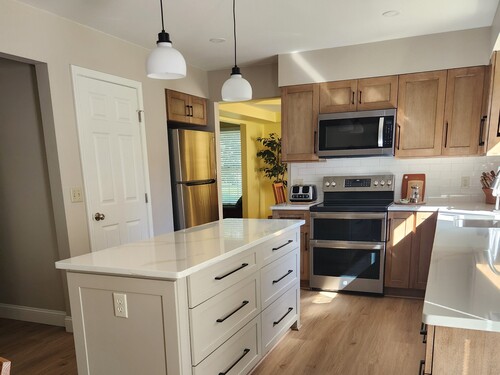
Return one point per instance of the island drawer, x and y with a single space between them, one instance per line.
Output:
237 355
278 276
277 247
217 319
278 317
214 279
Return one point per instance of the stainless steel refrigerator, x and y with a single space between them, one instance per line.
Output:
194 177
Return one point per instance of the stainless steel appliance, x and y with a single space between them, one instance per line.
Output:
303 193
193 176
364 133
348 233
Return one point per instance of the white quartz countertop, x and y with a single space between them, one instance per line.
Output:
444 205
179 254
463 288
294 206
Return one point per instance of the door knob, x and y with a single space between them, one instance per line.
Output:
99 216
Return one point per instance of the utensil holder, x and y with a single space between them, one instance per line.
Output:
489 198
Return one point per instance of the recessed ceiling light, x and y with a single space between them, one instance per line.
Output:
217 40
391 13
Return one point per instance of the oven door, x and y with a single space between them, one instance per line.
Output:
349 226
349 266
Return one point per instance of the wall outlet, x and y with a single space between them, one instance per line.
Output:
120 304
465 182
76 195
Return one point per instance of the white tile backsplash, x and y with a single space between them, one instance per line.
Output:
443 175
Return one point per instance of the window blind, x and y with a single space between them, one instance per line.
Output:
230 141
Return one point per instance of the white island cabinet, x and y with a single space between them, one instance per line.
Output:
212 299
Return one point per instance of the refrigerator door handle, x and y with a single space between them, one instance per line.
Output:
197 182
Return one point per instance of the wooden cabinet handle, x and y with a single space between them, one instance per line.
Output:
498 126
283 317
187 111
306 241
360 93
282 277
315 142
243 304
398 128
446 135
481 130
353 93
421 367
243 265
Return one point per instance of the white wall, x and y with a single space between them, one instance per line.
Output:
443 175
39 36
407 55
495 31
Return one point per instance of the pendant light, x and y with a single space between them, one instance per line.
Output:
165 62
236 88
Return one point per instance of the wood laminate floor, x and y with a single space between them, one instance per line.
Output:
37 348
340 334
345 334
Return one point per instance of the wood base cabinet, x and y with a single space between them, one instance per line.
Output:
304 240
221 319
408 252
452 351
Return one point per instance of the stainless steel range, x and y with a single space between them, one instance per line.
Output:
348 233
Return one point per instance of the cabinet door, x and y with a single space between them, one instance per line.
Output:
198 111
493 119
420 114
338 96
177 106
464 94
304 239
377 93
423 239
398 251
299 111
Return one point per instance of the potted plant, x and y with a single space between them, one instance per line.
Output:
275 170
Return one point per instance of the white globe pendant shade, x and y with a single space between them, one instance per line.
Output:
165 62
236 88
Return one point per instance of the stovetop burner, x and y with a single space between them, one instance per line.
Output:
373 193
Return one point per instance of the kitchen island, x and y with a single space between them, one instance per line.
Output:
462 299
202 300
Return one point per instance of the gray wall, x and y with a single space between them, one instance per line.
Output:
28 245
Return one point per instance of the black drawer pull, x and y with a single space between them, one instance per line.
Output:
279 247
282 277
243 265
245 352
423 332
283 317
220 320
421 368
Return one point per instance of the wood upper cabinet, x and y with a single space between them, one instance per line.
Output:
421 99
409 248
299 122
184 108
359 95
304 239
492 114
463 111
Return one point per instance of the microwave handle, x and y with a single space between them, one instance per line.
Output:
381 132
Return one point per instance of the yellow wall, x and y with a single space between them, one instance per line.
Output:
257 189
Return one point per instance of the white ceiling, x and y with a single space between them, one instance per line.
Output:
266 28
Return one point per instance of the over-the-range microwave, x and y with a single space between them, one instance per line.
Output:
364 133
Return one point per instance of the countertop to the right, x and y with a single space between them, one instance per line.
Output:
463 287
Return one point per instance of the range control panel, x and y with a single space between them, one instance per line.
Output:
380 182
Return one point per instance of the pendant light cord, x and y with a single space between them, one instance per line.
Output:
234 30
161 8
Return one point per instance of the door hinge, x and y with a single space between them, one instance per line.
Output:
146 197
139 114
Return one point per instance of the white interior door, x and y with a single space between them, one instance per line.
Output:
113 158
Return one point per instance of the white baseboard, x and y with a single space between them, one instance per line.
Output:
68 323
35 315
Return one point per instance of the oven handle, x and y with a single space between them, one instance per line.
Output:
348 245
348 215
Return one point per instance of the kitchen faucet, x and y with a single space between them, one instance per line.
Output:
495 190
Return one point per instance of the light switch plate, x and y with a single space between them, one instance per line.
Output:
76 195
